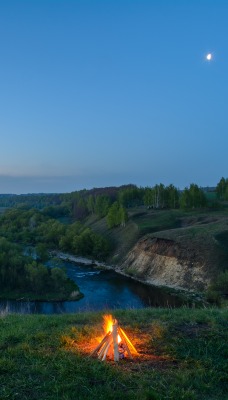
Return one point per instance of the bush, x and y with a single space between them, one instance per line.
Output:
218 289
221 283
213 297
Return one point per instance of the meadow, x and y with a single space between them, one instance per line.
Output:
182 354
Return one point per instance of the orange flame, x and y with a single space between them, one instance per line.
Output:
108 323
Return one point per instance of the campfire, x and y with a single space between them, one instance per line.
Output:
115 344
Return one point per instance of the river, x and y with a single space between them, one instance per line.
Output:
102 289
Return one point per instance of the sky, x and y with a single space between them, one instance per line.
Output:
110 92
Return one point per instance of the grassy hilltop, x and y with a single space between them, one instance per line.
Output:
182 355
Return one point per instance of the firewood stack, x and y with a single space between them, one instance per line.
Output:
115 344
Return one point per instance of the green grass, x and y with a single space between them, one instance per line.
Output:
159 220
182 355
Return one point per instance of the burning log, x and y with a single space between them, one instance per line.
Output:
99 346
115 342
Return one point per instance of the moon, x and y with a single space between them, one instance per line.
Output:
209 57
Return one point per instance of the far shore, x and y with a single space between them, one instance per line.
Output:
79 260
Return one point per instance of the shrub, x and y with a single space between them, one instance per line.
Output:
221 283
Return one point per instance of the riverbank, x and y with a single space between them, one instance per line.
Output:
184 294
78 260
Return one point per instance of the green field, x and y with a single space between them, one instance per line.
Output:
182 355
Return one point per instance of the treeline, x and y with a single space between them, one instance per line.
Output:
114 202
222 189
115 207
38 201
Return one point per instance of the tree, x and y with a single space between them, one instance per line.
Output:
193 197
123 216
51 232
101 247
102 205
148 197
91 204
112 218
59 278
117 215
185 199
131 197
80 210
37 277
11 264
222 189
160 196
172 197
42 252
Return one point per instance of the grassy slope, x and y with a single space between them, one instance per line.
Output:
203 231
122 239
182 355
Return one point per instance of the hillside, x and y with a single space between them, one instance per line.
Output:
181 355
191 246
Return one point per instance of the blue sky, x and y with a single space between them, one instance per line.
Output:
101 93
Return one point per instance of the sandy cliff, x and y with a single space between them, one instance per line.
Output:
167 262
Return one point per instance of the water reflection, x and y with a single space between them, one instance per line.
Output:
102 290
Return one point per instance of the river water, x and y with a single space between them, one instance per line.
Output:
102 289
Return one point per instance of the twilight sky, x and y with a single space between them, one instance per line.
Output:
110 92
